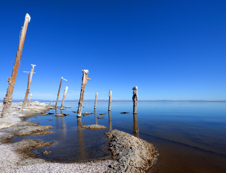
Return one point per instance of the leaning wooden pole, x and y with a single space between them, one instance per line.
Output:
29 99
135 99
110 97
8 98
28 86
59 91
50 103
96 95
66 88
84 82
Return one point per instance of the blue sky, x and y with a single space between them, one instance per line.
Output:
170 49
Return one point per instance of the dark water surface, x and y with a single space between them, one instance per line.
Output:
189 136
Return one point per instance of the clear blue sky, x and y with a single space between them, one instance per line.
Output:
170 49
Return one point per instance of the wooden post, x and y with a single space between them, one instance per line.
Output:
28 86
49 103
84 82
96 117
29 99
110 122
8 98
135 99
110 97
96 95
59 91
135 123
66 88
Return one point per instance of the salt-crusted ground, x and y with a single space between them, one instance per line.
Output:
13 162
130 153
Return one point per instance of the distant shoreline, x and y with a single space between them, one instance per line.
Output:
21 100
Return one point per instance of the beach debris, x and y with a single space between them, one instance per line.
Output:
132 154
100 117
102 113
7 101
135 98
93 127
96 95
50 119
84 82
74 111
63 100
86 113
110 97
60 115
67 107
59 91
24 146
124 112
28 85
46 152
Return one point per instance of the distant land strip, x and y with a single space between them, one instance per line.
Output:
100 100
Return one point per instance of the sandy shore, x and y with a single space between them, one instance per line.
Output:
13 162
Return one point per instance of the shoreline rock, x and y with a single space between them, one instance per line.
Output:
132 154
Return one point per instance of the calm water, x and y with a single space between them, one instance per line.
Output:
189 136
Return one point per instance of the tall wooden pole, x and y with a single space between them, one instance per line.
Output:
110 122
110 97
29 99
96 117
135 123
28 86
59 91
96 95
66 88
8 98
84 82
135 99
49 103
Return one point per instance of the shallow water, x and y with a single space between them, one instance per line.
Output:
190 136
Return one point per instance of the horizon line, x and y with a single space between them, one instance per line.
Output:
88 100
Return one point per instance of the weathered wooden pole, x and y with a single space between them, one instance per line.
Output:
110 122
96 95
135 99
28 86
84 82
29 99
110 97
96 117
8 98
59 91
135 123
66 88
50 103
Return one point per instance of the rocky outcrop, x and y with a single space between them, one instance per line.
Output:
132 154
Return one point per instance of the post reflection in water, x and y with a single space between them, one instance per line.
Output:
63 121
56 112
110 122
81 140
96 117
135 125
